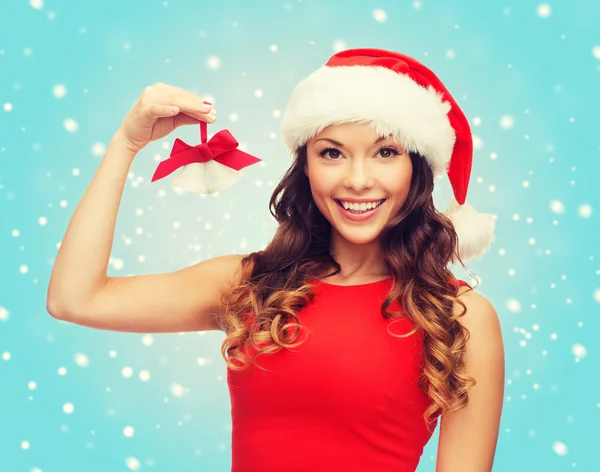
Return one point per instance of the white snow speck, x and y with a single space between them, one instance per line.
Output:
557 207
147 340
98 149
128 431
507 122
25 445
32 385
23 269
258 93
585 211
37 4
132 463
213 63
81 360
177 390
117 264
339 45
559 448
544 10
127 372
580 351
62 371
59 91
70 125
42 220
513 305
450 54
273 48
8 106
144 376
6 356
380 15
68 408
3 314
596 52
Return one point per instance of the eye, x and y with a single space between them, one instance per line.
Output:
327 150
393 152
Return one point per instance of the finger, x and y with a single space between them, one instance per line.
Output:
189 103
159 111
183 119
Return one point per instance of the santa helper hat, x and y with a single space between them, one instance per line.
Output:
397 96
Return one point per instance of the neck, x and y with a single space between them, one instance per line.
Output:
358 260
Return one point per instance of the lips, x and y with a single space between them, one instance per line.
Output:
359 216
380 202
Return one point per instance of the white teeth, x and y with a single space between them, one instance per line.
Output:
361 206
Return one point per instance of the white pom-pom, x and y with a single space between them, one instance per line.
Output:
475 230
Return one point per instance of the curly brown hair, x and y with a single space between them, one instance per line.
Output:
418 243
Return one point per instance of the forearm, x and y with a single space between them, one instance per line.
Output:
81 265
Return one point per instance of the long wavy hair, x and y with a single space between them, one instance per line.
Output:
417 243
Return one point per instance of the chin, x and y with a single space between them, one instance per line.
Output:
358 237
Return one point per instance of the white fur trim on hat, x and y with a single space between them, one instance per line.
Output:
389 101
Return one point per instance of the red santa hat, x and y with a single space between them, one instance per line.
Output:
401 97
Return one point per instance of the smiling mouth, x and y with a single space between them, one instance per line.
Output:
360 212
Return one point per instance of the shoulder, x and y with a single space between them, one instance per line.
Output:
480 311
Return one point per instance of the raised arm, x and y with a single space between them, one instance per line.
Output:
80 290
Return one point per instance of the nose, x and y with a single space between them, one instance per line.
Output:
358 175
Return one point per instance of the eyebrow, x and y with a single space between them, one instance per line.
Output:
337 143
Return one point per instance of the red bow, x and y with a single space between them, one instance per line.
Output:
222 148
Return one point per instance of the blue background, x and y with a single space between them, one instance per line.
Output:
504 62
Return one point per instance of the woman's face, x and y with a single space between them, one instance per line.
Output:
359 166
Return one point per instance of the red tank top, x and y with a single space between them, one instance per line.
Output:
347 399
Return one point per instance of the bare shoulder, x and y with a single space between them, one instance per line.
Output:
479 308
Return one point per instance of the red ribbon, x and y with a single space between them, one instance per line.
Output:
222 147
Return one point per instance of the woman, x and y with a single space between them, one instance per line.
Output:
347 337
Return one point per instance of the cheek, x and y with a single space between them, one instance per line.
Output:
397 180
321 183
398 186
